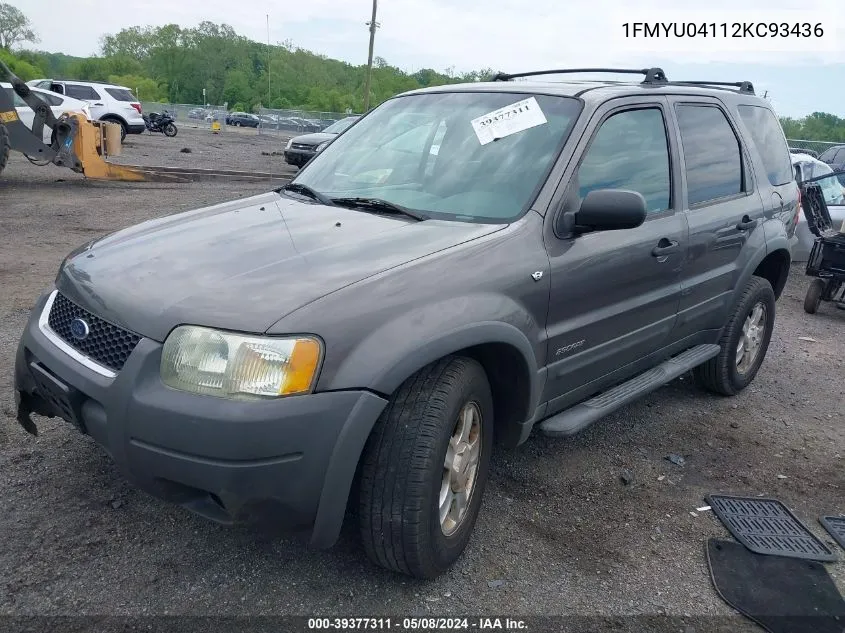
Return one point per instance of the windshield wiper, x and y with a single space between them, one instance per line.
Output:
305 190
377 205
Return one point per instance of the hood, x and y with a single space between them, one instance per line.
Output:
243 265
313 139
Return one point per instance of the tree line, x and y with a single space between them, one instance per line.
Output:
172 64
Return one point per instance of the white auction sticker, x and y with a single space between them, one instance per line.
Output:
511 119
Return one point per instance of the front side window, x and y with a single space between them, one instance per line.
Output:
470 156
767 135
630 151
711 153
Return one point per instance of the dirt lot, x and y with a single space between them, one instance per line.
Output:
558 527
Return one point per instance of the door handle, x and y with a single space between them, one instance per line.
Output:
665 247
746 224
98 104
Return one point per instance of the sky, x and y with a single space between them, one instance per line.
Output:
800 74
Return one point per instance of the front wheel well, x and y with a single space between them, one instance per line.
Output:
775 269
510 381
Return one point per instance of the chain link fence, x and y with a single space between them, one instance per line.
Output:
288 122
813 148
273 122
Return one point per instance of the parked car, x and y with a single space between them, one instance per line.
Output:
801 150
108 102
835 157
395 311
242 119
59 104
300 149
806 167
197 113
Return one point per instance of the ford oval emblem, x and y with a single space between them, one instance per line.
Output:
79 329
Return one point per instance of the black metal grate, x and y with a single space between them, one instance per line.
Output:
106 343
766 526
836 527
301 146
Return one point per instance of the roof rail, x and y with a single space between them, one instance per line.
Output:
745 87
652 75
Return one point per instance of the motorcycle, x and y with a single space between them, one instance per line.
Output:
163 123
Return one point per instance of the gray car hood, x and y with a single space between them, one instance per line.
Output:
243 265
314 138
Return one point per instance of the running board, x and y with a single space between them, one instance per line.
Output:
570 421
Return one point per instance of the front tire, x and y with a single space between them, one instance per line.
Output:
425 467
170 130
744 341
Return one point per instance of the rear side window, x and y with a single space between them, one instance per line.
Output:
121 94
629 151
81 92
711 154
770 141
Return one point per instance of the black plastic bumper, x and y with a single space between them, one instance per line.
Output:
135 128
292 459
298 157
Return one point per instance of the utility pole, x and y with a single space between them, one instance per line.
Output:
373 26
268 61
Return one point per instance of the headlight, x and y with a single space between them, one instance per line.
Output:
289 145
227 365
322 146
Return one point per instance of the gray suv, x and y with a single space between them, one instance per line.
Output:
464 265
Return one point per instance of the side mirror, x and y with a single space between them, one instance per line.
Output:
611 209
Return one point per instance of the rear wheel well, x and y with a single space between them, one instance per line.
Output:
775 269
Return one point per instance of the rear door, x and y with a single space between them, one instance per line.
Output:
723 207
89 94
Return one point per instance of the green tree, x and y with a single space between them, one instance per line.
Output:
15 27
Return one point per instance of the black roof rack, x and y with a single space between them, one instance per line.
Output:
652 75
744 86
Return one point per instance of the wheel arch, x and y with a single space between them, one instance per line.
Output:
774 267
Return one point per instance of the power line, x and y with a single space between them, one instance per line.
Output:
373 26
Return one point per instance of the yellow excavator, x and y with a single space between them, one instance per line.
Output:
85 146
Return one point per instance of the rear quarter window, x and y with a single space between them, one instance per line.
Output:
121 94
767 135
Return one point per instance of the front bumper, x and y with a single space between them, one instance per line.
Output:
292 459
298 157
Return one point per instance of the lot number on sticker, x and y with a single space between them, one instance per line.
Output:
511 119
8 117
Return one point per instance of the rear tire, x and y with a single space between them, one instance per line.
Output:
747 332
122 128
170 130
814 296
4 147
415 514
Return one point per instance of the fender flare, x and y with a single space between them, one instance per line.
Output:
778 243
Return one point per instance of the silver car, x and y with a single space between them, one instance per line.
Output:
807 167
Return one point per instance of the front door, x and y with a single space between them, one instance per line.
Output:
614 294
91 95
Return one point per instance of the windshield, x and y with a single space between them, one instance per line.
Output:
340 126
832 188
448 155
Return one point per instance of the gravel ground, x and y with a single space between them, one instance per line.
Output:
559 533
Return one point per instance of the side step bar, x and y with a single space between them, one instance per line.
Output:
572 420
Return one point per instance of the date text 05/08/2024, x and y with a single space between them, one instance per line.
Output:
417 624
723 29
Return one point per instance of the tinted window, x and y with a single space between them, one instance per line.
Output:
828 154
629 152
80 92
711 154
770 141
121 94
